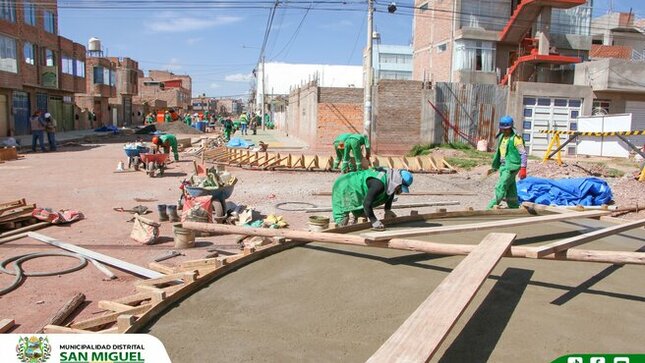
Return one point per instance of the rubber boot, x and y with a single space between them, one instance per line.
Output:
163 215
172 213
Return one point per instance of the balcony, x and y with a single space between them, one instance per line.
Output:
612 75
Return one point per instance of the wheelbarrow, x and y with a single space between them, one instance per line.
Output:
219 196
134 156
154 163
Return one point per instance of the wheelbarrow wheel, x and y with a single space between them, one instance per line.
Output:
219 211
161 169
151 169
136 162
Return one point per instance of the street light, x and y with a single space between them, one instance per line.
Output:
262 110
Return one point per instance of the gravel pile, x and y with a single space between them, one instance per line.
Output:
177 128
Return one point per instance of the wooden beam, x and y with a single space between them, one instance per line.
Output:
412 194
120 264
55 329
66 310
99 266
124 322
394 206
185 277
567 243
28 228
156 266
383 236
115 306
109 318
6 325
418 339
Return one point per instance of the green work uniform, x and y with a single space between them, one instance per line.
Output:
506 187
170 141
339 152
188 120
354 143
228 127
150 119
349 192
167 117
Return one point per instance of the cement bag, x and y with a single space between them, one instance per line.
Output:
51 216
197 209
144 230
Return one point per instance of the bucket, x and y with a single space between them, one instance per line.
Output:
318 223
482 145
184 238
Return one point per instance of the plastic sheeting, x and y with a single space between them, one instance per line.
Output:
576 191
236 142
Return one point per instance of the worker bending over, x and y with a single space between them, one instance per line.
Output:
339 147
511 159
167 141
351 143
360 192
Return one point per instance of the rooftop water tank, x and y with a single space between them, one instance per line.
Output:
94 44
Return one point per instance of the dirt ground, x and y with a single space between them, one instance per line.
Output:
81 176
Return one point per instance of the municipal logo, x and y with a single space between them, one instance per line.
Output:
33 349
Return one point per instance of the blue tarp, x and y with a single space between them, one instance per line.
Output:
576 191
236 142
107 128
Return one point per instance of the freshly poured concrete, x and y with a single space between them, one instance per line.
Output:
323 302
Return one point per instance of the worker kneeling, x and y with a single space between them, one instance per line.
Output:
359 192
167 142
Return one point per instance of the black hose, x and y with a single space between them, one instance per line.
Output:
309 205
21 274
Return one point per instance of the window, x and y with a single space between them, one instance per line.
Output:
544 102
112 78
98 75
30 13
488 15
50 21
79 68
402 75
50 58
67 64
8 58
104 76
442 47
474 55
28 52
526 125
395 58
528 112
601 107
8 10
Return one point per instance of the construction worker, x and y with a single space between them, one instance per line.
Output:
510 159
358 193
188 120
244 123
353 143
167 141
150 118
339 147
167 117
228 128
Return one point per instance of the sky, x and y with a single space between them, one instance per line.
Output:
218 42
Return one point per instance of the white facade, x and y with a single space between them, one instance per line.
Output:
281 77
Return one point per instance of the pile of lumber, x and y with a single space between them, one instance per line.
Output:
16 214
292 161
8 153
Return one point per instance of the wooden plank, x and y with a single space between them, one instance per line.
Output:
55 329
383 236
99 266
541 207
156 266
394 206
115 306
133 299
210 262
6 325
423 332
412 194
109 318
21 231
66 310
567 243
120 264
184 277
12 204
124 322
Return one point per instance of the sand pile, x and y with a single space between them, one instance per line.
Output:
177 128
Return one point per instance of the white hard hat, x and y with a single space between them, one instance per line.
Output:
48 115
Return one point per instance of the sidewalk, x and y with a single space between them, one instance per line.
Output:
275 138
25 140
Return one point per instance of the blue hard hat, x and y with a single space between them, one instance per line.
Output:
506 122
407 180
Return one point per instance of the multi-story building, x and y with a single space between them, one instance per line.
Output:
617 35
392 62
127 86
496 41
229 106
176 90
203 103
39 70
100 86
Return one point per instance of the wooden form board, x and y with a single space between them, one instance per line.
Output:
394 206
384 236
567 243
115 262
418 339
6 325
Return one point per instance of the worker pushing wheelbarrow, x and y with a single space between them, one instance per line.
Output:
155 163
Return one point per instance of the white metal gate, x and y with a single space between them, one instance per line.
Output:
546 113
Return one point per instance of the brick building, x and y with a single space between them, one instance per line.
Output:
229 106
175 90
38 68
100 86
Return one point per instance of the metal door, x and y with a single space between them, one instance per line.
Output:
56 109
127 111
41 101
68 117
4 116
21 113
546 113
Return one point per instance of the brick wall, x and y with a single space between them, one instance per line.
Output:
335 119
397 121
433 27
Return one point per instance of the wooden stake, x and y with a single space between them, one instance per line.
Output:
6 325
64 312
420 336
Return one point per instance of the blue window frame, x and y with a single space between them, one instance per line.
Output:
574 114
528 112
526 125
575 103
573 126
560 102
544 102
529 101
527 137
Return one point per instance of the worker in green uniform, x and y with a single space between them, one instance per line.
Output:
150 118
244 123
228 128
167 117
510 159
188 120
358 193
339 148
168 142
354 143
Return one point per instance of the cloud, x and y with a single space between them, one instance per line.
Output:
166 23
336 25
239 77
215 85
173 65
193 41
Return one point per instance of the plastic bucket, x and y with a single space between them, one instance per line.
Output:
318 223
184 238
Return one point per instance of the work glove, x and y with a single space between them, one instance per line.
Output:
389 214
522 173
378 226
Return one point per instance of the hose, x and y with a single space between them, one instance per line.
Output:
21 274
309 205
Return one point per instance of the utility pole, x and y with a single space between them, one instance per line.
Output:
263 108
367 110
